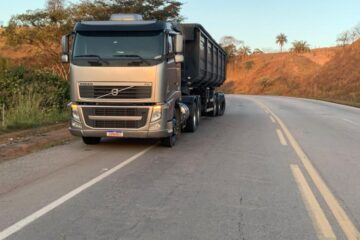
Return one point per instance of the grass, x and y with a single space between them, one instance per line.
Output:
26 111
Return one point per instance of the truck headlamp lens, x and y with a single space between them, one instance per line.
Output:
156 114
75 113
75 124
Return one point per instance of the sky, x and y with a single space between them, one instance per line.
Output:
256 22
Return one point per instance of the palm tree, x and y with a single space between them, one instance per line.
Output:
300 47
281 39
244 50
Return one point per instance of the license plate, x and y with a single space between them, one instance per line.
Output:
114 134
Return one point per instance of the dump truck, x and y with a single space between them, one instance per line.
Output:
135 78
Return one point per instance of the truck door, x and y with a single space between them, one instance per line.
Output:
172 70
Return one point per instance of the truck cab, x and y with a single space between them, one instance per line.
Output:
126 78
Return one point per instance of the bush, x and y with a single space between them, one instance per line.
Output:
32 97
15 81
26 112
249 64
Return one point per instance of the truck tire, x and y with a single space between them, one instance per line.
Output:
213 113
171 140
217 104
198 111
192 122
222 107
91 140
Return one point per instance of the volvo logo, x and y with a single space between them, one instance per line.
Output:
114 92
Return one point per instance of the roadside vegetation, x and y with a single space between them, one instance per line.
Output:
30 98
331 74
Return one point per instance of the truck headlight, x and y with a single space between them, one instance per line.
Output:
156 113
75 124
75 113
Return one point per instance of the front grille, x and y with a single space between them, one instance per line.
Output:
103 111
125 92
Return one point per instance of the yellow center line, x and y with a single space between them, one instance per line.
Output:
339 213
281 137
320 222
272 119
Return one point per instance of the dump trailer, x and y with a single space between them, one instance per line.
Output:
131 78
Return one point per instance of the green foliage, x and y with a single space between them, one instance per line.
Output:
300 47
248 65
19 80
27 111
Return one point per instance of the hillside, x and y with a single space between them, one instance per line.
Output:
332 73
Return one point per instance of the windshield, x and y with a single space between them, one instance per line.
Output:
118 48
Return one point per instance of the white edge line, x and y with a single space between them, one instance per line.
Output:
31 218
349 121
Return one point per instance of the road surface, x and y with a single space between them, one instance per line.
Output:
270 168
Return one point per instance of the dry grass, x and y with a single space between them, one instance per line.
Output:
327 73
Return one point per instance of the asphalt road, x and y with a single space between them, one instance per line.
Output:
270 168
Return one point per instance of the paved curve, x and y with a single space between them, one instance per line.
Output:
232 179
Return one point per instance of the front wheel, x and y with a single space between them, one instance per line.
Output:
91 140
171 140
192 122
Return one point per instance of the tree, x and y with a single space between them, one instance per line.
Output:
281 39
230 45
344 38
55 5
244 51
300 47
258 51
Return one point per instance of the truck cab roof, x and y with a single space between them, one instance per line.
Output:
148 25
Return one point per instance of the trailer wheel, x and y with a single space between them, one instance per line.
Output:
91 140
192 122
198 112
217 104
213 113
171 140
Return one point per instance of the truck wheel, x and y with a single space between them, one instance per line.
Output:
222 107
198 112
191 123
213 113
171 140
217 105
91 140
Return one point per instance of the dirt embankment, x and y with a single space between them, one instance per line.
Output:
20 143
332 73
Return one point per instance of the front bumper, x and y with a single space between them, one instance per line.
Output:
163 127
127 133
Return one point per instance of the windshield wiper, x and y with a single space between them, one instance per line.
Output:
133 56
100 59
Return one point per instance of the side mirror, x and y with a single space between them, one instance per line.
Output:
65 58
179 58
179 44
65 44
